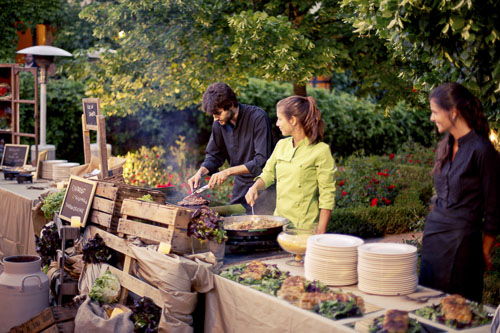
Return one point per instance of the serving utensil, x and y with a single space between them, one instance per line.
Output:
200 190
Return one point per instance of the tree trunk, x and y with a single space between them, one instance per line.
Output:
300 90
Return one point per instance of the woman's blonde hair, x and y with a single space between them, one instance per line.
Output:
307 113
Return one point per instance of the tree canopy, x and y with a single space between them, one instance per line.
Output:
168 52
437 41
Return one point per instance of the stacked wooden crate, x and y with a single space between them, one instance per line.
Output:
106 207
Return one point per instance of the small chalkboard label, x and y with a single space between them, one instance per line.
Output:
78 199
14 155
91 109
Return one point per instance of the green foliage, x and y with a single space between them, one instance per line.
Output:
52 204
437 42
167 53
64 116
23 14
351 124
357 213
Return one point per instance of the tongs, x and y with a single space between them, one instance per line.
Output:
200 190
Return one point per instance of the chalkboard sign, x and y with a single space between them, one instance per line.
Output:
78 199
91 109
42 156
14 155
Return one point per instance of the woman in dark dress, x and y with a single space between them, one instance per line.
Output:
462 226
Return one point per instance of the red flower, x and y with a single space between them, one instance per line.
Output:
380 173
134 181
143 181
341 183
207 178
497 244
374 202
208 195
344 193
418 162
229 196
157 155
386 170
391 187
411 161
386 201
430 162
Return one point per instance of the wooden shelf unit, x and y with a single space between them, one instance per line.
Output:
9 73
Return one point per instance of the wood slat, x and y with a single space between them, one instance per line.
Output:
104 205
106 191
114 242
149 211
137 286
143 230
100 218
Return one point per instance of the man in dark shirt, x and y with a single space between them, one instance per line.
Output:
241 134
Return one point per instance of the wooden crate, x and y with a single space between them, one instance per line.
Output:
47 318
156 222
106 207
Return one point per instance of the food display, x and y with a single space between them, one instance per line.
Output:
395 321
312 296
252 224
193 200
456 312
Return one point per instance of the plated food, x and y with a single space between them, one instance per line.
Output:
312 296
395 321
456 312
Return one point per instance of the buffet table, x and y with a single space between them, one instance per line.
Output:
232 307
18 222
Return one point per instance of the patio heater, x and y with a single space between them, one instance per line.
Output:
44 58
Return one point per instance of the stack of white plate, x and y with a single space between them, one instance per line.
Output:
61 171
48 167
332 259
387 268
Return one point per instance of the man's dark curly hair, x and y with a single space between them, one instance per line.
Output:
218 95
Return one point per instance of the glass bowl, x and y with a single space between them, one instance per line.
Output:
294 241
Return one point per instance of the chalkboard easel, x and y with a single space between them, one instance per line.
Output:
78 199
14 155
93 120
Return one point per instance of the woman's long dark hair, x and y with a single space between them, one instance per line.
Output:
307 113
449 96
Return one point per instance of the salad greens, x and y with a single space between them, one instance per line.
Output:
106 288
95 251
52 203
145 315
146 197
435 313
206 224
48 244
337 310
270 283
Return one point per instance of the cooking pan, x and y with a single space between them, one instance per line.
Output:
255 232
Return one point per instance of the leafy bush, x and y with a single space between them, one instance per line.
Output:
402 189
351 124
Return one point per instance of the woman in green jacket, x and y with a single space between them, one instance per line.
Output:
301 166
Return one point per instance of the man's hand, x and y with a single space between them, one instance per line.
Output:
194 182
218 178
